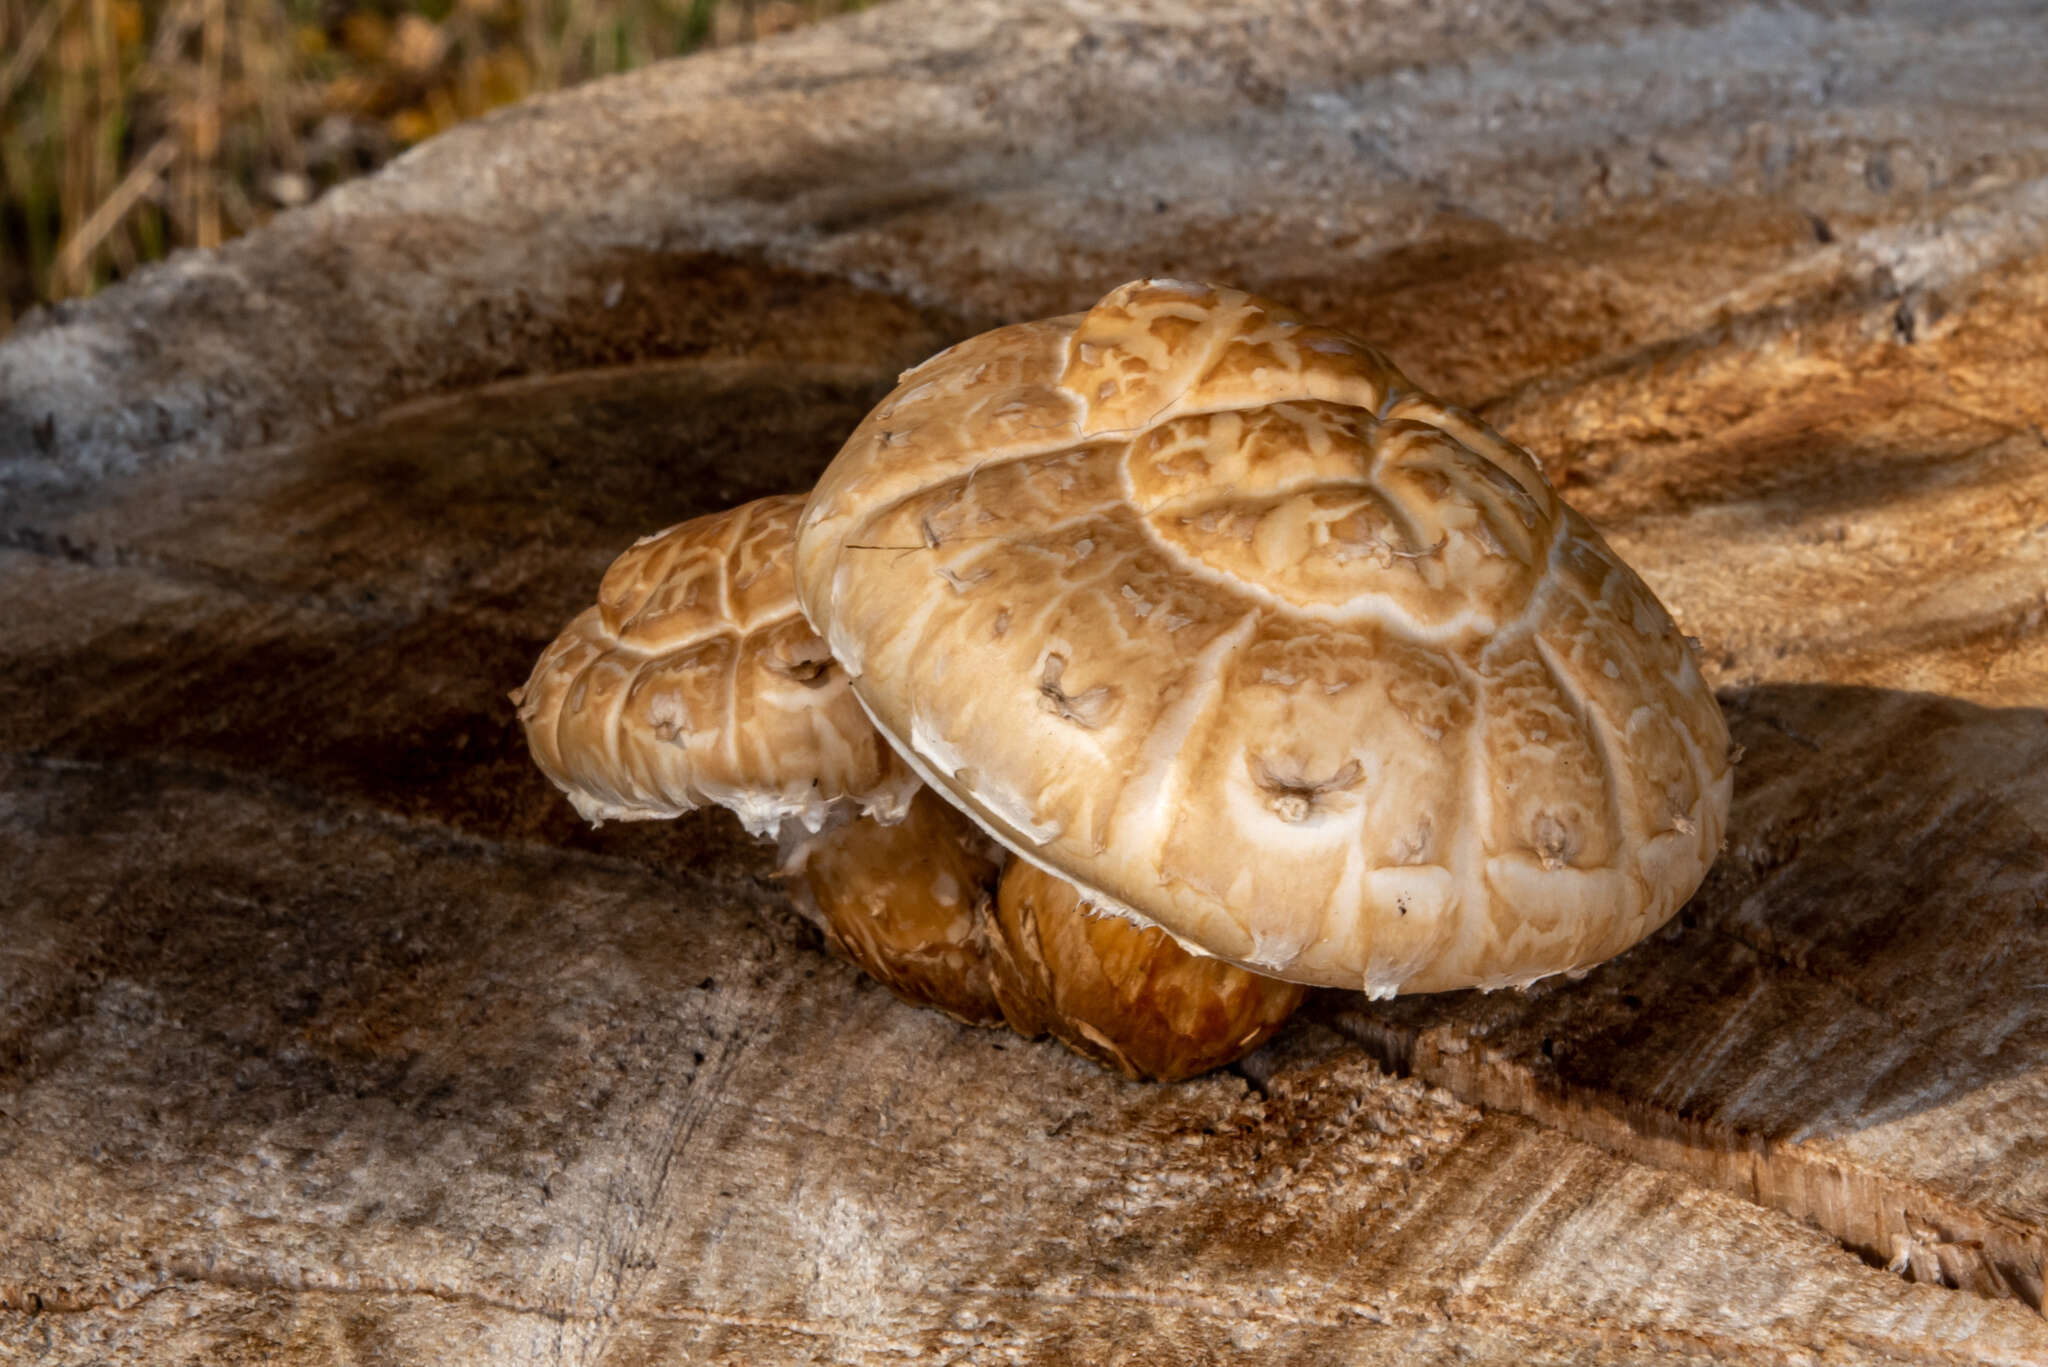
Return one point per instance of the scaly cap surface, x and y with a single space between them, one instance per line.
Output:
1209 610
695 679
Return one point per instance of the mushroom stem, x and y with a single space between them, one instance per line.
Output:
916 906
1122 994
907 904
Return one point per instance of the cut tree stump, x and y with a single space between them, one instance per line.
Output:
327 1034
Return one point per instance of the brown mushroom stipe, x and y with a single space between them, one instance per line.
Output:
915 905
1123 994
696 680
909 903
1263 645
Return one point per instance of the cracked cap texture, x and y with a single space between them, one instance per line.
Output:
695 679
1206 608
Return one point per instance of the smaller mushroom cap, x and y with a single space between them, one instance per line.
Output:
695 679
1209 610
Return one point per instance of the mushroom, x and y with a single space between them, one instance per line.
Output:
1207 610
1263 666
695 680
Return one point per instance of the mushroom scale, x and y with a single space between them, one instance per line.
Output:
1209 610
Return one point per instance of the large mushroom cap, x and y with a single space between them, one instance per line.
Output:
1209 610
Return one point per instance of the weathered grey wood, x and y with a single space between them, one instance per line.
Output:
326 1034
996 161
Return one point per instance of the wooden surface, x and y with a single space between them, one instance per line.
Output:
327 1034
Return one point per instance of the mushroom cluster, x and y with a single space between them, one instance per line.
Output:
1127 671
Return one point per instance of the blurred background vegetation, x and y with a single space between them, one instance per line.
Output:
132 127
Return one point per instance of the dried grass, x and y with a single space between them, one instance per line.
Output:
130 127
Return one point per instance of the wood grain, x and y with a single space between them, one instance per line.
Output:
603 1128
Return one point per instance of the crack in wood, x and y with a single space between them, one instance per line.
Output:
1469 1308
1964 1248
1222 1305
1254 1077
414 831
1833 280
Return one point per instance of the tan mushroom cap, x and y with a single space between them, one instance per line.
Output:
1210 611
695 679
